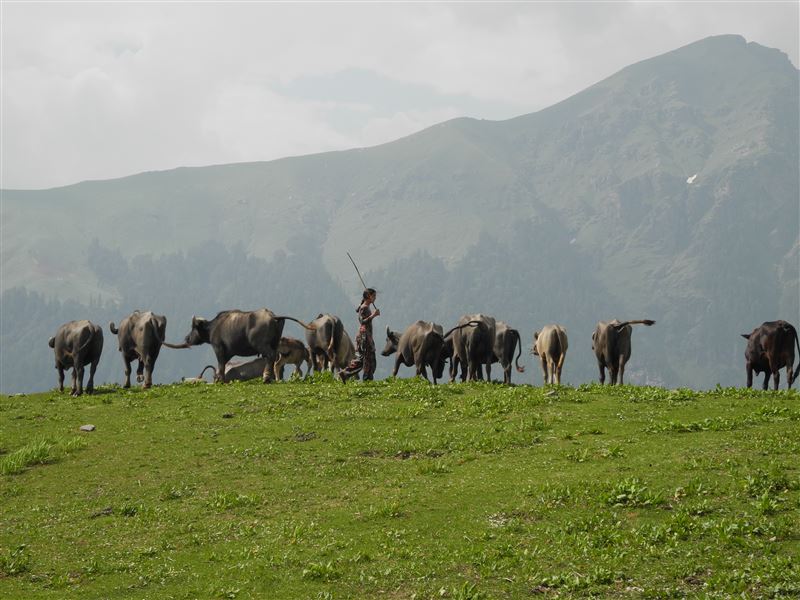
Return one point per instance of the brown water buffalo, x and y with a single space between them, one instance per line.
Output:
292 352
77 344
611 342
241 333
506 341
550 345
473 346
140 336
421 345
769 348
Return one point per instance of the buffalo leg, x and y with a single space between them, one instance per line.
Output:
621 370
90 383
559 366
488 371
222 360
544 369
127 383
776 378
148 373
789 376
79 370
613 371
749 375
140 371
602 368
74 391
765 386
421 370
60 378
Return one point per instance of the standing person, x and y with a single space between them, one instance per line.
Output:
365 345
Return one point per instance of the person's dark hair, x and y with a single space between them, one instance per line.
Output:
367 293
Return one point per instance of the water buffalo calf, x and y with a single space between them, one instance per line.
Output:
292 352
77 344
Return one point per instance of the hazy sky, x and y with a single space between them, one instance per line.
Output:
102 90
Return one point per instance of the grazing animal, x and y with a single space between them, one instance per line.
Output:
292 352
241 333
769 348
421 345
611 342
473 347
140 336
77 344
325 342
550 345
506 340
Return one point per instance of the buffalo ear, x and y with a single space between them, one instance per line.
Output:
745 336
536 335
194 321
52 342
388 333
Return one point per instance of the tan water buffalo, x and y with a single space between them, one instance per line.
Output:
611 342
550 345
77 344
292 352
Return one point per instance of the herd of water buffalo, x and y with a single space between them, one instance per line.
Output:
474 344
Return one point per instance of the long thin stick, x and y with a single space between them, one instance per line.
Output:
359 274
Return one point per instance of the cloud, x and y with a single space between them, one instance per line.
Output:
103 90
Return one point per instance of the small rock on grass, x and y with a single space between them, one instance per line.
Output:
87 427
227 415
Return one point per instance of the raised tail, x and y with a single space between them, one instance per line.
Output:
304 325
518 343
469 324
113 328
624 324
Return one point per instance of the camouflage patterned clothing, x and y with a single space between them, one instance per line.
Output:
365 347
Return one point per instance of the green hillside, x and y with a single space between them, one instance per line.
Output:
400 489
669 191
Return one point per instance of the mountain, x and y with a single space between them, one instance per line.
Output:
669 190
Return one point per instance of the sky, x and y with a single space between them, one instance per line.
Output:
98 90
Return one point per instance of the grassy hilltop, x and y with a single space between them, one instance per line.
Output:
399 489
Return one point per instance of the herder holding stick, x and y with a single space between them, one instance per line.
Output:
365 344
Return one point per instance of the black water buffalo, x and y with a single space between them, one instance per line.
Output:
241 333
769 348
550 345
326 343
140 336
506 341
292 352
611 342
77 344
421 345
473 346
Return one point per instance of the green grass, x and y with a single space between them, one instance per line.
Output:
400 489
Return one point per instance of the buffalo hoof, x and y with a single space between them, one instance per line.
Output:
139 379
147 386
